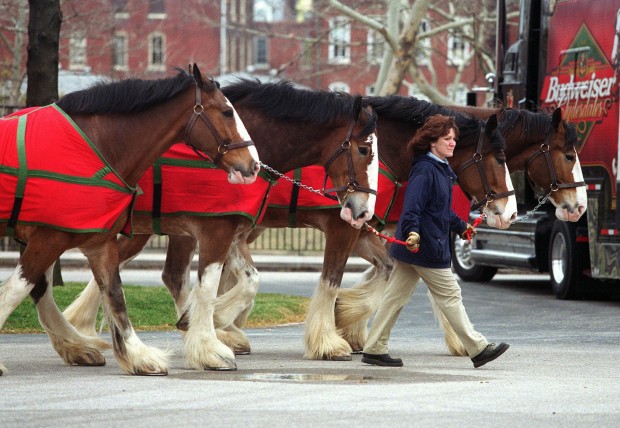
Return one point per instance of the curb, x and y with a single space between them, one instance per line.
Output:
155 260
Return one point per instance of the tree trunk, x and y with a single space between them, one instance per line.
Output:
42 65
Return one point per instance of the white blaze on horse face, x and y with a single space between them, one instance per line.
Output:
579 205
245 135
364 202
509 214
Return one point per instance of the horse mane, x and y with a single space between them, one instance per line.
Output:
282 100
415 111
534 124
127 96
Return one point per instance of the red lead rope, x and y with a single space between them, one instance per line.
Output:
391 239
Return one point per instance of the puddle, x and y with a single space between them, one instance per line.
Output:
305 377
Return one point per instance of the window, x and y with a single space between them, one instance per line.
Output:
339 41
375 48
157 9
156 52
119 51
260 52
458 93
423 48
414 91
339 87
77 52
269 10
458 50
120 9
370 90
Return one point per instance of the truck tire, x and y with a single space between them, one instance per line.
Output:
564 266
465 267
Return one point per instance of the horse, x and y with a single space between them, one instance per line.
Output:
399 119
541 145
95 147
291 128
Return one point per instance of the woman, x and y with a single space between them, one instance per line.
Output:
426 222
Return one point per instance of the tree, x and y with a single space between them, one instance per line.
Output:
403 37
43 44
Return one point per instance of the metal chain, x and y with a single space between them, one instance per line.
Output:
541 201
295 182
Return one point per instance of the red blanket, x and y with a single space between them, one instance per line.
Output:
313 176
48 164
181 183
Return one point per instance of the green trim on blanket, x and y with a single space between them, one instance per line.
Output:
92 146
397 185
22 176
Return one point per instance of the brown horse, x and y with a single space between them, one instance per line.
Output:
95 147
399 119
541 145
291 128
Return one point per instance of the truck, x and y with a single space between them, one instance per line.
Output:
551 54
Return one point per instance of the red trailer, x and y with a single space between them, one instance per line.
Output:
565 53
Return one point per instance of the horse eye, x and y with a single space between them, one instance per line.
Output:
229 113
364 151
570 158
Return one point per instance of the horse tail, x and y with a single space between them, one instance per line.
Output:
455 346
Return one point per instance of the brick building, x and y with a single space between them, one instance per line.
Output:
269 38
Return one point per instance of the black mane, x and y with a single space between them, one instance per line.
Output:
127 96
415 111
282 100
533 125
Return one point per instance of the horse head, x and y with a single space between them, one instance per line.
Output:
480 164
354 167
235 152
554 171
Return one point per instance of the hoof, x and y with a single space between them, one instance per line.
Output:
242 352
183 322
357 351
222 369
90 359
337 357
153 373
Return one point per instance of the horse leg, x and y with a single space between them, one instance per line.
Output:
355 305
131 354
74 347
454 344
203 350
82 312
321 338
176 273
236 300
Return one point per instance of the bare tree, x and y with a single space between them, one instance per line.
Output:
472 20
14 20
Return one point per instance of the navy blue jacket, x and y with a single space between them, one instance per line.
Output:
428 210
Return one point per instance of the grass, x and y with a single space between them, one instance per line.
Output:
151 308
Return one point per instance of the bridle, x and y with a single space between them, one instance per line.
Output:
555 185
476 159
352 183
222 146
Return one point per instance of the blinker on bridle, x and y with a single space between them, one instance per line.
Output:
490 195
222 146
352 183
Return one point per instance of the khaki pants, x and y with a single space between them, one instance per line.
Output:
447 293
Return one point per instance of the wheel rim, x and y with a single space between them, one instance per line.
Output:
462 253
558 258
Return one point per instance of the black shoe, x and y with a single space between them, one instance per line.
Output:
491 352
382 360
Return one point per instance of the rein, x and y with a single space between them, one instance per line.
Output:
476 159
555 185
222 146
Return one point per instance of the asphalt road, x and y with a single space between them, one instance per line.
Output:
563 369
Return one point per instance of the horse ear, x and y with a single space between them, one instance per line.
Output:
491 125
557 117
197 74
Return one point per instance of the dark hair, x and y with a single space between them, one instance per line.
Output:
434 127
